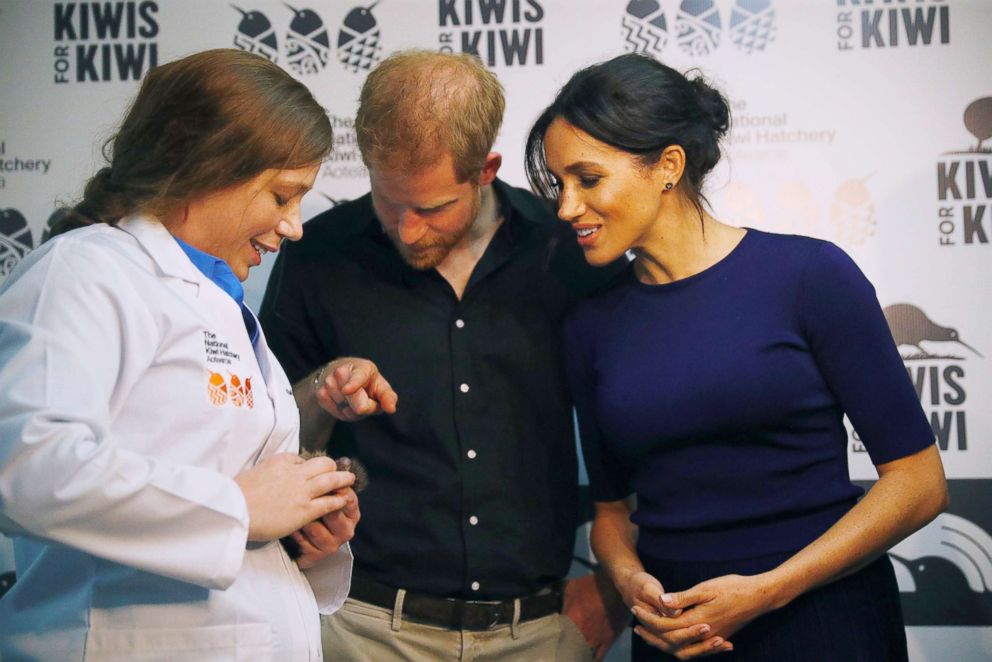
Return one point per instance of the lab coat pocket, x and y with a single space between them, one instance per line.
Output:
245 642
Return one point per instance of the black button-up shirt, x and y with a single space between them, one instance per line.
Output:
472 483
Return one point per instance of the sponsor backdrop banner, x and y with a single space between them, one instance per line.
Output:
865 122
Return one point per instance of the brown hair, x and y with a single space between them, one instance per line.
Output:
419 105
199 124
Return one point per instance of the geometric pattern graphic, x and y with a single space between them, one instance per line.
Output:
752 24
233 391
307 44
644 28
16 240
849 220
256 35
358 40
852 213
697 27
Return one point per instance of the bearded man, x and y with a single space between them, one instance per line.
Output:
452 286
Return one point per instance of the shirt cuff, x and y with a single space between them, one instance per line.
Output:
330 580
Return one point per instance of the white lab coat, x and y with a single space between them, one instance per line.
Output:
130 395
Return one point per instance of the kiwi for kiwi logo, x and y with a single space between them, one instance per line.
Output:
358 39
256 35
698 27
307 45
15 240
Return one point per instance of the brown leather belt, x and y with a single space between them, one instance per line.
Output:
457 614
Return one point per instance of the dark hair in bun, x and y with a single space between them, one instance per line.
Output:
639 105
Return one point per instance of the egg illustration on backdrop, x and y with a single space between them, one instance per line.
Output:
256 35
307 45
358 39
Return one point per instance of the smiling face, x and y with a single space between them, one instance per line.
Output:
429 212
608 196
242 223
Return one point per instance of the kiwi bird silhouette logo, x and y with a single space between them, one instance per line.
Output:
15 240
256 35
956 541
307 45
334 201
911 326
944 572
358 39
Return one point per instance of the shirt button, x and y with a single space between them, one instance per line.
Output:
476 586
471 454
473 520
460 323
463 388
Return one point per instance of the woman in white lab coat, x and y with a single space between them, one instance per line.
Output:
148 437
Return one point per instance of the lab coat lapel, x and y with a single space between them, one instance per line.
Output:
284 436
162 248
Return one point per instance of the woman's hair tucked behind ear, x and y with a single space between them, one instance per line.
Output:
641 106
201 124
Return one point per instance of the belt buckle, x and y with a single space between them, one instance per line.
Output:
494 617
461 613
470 611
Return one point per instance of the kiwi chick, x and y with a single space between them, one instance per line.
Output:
344 464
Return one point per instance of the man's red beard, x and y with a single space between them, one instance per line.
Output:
433 248
426 253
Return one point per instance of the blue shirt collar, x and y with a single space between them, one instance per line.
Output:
216 270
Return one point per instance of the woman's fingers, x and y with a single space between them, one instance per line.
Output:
330 481
318 465
675 634
283 493
711 646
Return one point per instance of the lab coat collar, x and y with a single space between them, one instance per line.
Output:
162 248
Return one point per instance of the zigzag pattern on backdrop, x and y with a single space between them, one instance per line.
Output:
640 37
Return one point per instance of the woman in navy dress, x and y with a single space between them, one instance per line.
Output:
711 382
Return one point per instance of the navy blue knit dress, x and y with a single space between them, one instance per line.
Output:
719 400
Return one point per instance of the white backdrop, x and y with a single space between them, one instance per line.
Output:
868 123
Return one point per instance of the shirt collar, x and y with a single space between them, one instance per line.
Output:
215 269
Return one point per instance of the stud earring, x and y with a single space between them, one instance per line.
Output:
668 186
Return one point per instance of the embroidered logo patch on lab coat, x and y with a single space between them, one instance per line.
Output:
232 390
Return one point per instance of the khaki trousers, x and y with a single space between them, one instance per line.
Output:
361 632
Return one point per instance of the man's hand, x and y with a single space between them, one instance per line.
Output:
323 537
350 389
597 610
